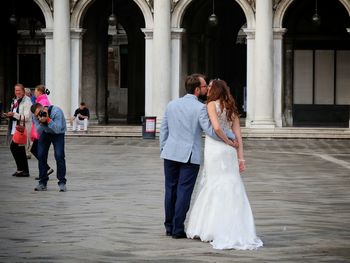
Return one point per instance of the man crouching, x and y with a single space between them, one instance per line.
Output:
51 127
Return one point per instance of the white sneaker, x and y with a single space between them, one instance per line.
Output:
62 187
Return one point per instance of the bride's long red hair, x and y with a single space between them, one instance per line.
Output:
220 91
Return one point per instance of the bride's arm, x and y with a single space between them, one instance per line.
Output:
236 128
215 123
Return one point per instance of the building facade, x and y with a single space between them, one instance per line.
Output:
287 62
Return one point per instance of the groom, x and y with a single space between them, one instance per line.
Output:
181 146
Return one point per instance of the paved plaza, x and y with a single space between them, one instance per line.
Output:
299 191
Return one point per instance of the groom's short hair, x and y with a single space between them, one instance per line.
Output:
192 82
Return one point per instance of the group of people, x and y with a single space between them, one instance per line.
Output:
45 124
221 213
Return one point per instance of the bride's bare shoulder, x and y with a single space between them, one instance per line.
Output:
211 103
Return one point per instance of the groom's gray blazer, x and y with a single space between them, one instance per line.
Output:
181 130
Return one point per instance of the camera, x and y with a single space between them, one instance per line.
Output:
42 113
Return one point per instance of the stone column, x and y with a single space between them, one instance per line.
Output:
61 89
348 29
263 108
288 86
250 89
161 58
76 67
2 77
148 71
101 71
49 58
101 80
176 55
278 74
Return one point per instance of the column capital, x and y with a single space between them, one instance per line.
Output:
148 33
176 33
77 33
279 32
151 4
249 32
48 32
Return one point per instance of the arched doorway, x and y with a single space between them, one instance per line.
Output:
217 51
113 73
22 49
317 63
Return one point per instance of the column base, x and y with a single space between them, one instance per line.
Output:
278 123
288 118
248 122
101 119
263 124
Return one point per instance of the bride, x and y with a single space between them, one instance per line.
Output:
221 213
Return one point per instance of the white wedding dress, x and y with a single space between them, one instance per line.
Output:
221 212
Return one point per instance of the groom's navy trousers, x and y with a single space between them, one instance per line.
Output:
180 179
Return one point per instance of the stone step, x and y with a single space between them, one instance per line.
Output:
254 133
301 133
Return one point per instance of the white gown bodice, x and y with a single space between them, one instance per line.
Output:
222 118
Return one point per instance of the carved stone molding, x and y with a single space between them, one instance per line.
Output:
150 4
77 33
173 4
73 3
278 33
50 4
250 33
177 33
148 33
275 3
252 4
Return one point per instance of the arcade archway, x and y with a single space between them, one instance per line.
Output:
317 64
22 49
113 82
217 51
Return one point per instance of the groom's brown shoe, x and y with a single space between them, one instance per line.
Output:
178 236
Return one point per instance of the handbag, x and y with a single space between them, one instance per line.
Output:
20 135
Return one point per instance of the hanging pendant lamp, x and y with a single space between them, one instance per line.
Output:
316 19
213 19
112 22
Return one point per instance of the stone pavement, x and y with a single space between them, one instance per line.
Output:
113 209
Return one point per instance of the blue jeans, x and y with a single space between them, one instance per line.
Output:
34 150
44 143
180 179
